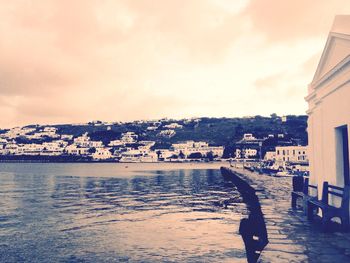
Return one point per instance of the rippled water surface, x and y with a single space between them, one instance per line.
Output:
118 213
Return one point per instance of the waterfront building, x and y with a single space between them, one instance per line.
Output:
76 150
30 149
137 156
270 155
165 154
245 153
292 154
329 109
102 154
189 147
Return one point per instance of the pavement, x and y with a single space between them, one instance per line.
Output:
292 238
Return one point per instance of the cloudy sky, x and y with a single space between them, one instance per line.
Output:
67 61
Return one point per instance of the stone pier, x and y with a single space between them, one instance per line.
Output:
291 237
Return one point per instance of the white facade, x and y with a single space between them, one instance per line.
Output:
102 154
167 133
129 137
203 148
248 137
75 150
293 154
329 109
66 137
269 156
246 153
173 125
82 141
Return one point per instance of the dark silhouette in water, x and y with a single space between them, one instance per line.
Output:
252 229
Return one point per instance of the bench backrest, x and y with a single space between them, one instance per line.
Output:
341 192
307 185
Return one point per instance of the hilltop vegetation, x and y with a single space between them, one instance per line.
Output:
215 131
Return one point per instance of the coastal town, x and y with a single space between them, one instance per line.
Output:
274 152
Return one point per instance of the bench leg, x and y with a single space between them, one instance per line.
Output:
294 201
305 207
325 222
345 223
310 211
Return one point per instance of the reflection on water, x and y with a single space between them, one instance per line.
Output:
50 212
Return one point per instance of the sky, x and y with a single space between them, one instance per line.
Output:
72 61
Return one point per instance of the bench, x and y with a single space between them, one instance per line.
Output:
330 211
302 190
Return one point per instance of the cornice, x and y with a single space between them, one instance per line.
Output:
332 73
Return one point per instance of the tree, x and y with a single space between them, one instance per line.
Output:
273 116
210 156
92 150
196 155
182 155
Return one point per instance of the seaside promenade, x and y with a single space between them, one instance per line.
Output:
291 237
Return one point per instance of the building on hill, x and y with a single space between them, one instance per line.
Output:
248 146
129 137
329 109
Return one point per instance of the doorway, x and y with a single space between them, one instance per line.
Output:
343 152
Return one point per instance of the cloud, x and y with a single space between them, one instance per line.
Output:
294 20
73 61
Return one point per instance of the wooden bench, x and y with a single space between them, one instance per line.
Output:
305 194
329 211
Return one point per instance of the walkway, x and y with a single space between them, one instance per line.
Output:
292 238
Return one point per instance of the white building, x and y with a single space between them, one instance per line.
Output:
76 150
147 144
173 125
248 137
30 149
165 154
129 137
66 137
138 156
82 141
18 131
116 143
246 153
102 154
95 144
293 154
167 133
329 109
203 148
270 156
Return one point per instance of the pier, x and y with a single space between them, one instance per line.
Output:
291 237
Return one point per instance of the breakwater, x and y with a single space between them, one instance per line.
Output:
291 237
252 229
